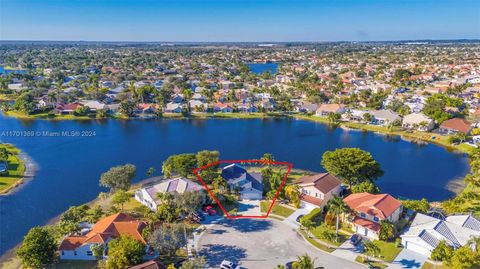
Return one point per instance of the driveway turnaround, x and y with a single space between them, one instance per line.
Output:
258 243
408 259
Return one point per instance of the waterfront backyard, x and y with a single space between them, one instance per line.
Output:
147 143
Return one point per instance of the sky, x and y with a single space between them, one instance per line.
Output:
239 20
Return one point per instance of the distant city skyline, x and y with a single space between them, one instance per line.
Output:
239 20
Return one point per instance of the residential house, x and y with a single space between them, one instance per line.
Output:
173 108
148 195
249 184
426 232
198 105
456 125
306 107
325 109
152 264
384 117
93 104
79 247
66 108
247 108
418 121
146 109
369 210
316 190
224 108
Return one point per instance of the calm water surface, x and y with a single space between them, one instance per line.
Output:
69 167
260 68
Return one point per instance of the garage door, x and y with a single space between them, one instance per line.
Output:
417 248
250 196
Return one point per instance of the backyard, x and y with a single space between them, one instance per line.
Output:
15 172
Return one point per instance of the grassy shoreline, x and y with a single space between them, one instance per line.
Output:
16 170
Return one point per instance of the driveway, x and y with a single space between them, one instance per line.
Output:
258 243
292 219
249 208
408 259
348 251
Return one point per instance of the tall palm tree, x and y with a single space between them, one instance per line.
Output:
337 206
304 262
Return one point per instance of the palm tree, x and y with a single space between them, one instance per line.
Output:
304 262
337 206
4 154
474 243
371 248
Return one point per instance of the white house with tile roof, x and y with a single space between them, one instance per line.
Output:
425 232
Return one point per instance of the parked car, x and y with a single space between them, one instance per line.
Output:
209 210
355 239
299 217
228 265
289 265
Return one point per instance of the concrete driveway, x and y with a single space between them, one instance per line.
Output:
292 219
408 259
249 208
348 251
256 243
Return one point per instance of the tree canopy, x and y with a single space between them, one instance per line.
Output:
351 165
124 252
38 248
118 177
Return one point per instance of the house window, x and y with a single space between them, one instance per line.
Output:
89 253
375 219
75 253
316 194
362 215
63 253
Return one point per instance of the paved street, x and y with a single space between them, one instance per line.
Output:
261 244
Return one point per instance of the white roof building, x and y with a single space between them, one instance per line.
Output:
425 232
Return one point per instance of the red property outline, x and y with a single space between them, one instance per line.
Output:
289 165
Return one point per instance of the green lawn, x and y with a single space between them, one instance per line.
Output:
388 250
315 243
428 265
317 232
277 209
16 169
362 260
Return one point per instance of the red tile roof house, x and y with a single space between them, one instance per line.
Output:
456 125
317 190
78 247
66 108
325 109
369 210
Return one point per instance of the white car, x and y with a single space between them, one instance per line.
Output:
228 265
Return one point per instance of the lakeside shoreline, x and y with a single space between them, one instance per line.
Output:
28 173
411 136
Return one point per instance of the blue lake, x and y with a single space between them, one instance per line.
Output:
69 167
12 71
260 68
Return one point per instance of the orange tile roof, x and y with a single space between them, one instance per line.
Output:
367 224
109 227
377 205
311 199
457 124
72 242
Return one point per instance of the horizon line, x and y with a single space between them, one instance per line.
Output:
254 42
